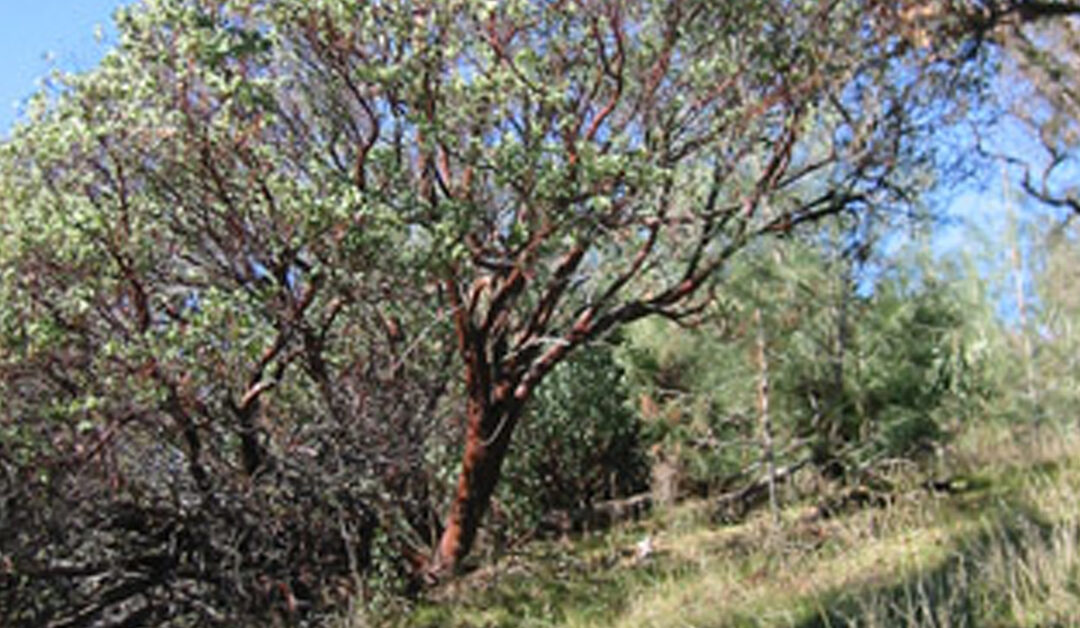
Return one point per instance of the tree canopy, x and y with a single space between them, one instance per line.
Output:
300 254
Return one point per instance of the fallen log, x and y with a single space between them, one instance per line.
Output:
734 506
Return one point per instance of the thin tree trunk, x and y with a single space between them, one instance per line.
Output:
766 423
1018 284
841 347
829 425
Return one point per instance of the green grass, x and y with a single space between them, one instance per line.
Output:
1003 550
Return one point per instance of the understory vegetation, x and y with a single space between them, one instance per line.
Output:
993 542
528 313
969 520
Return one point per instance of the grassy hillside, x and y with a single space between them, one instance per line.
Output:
994 543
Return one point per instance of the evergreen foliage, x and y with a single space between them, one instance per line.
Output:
290 290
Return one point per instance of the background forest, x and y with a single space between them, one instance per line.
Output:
310 312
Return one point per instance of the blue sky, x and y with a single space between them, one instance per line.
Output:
39 35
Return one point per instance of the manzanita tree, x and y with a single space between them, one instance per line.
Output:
572 167
257 219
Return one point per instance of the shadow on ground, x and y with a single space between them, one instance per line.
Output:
987 580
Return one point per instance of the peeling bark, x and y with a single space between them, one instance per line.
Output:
486 442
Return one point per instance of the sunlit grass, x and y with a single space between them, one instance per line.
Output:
1002 550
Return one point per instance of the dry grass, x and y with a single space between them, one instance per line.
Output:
791 572
1003 550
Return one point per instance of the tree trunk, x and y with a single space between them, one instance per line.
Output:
766 423
1017 258
487 439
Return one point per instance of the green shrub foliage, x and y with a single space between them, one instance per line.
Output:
581 443
254 266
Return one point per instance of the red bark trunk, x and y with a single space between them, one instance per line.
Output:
486 442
